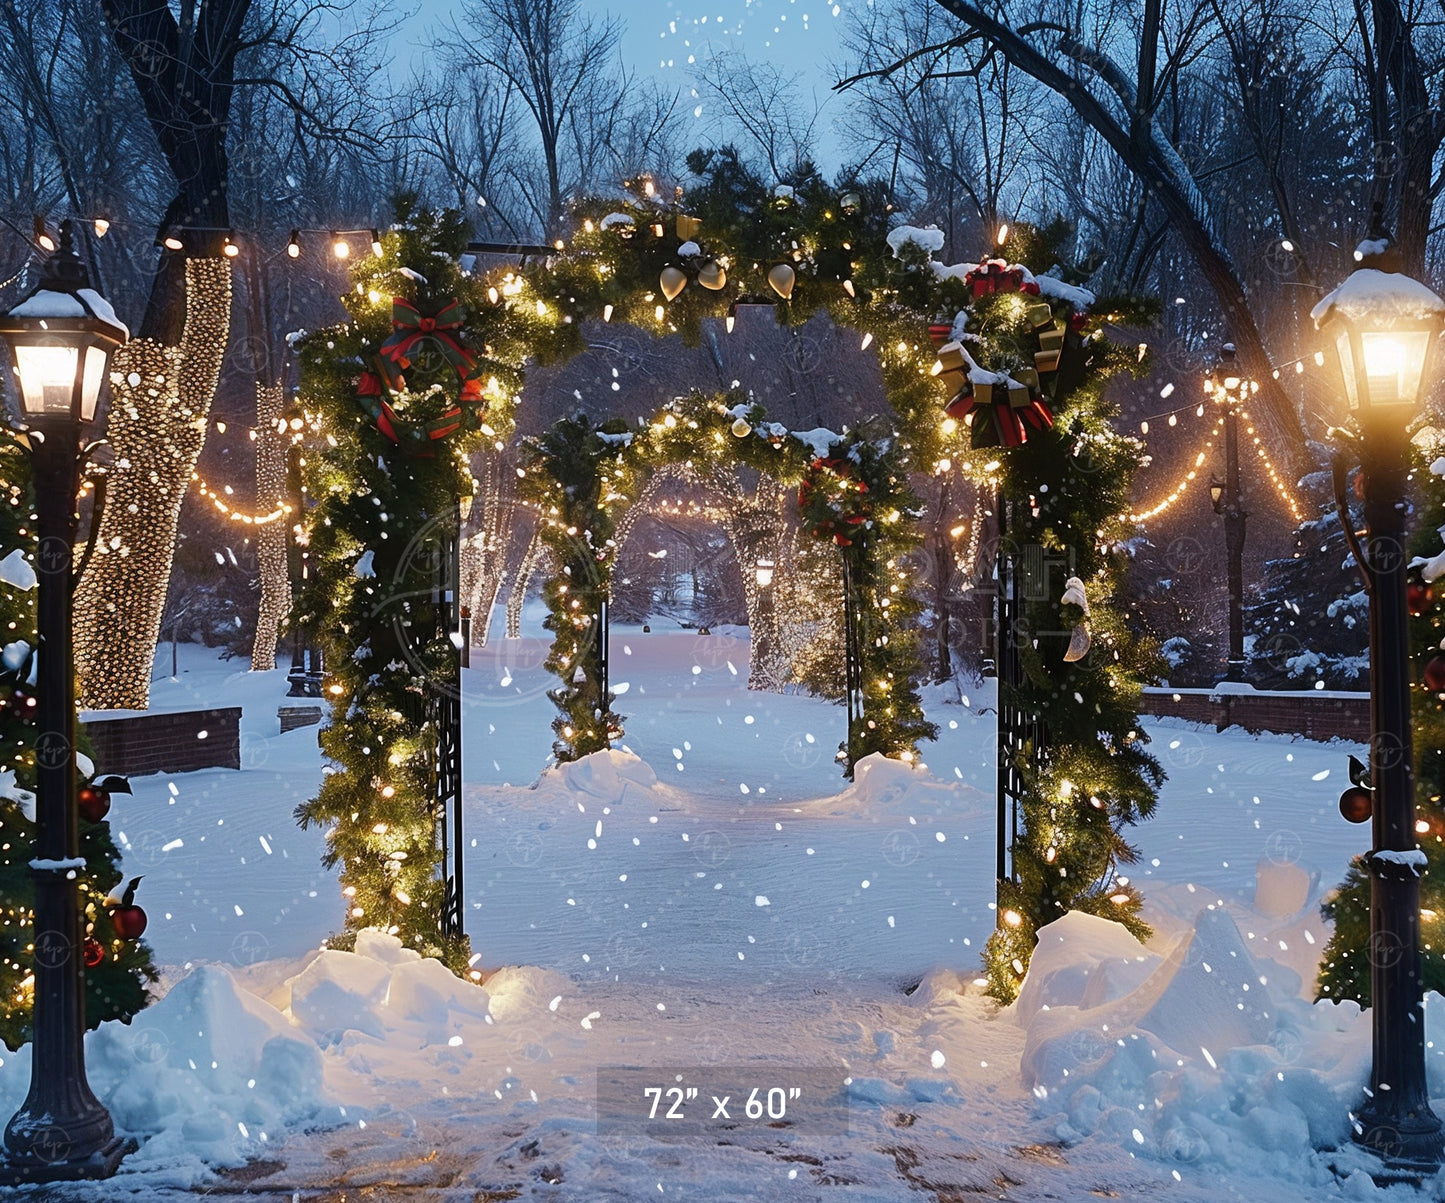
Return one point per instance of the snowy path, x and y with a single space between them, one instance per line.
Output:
726 900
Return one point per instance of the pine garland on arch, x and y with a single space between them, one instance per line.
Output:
1032 340
427 367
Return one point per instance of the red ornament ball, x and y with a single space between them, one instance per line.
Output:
94 803
1357 804
94 952
1418 596
1435 673
129 922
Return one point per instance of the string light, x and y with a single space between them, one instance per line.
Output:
1285 495
293 244
1182 486
339 246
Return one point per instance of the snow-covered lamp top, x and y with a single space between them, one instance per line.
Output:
62 335
1384 324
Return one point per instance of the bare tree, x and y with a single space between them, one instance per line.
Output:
559 63
776 119
947 127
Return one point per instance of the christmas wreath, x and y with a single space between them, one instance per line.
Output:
382 392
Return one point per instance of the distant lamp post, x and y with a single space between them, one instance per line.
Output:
1383 325
764 573
62 336
1229 389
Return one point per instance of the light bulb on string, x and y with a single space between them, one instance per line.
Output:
376 247
293 244
339 246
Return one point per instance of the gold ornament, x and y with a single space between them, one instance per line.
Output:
741 428
712 276
688 228
673 281
782 277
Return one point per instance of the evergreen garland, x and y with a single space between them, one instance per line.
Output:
579 477
1345 965
1067 489
116 988
378 503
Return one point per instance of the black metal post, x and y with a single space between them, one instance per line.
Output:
1396 1120
852 661
1234 516
1005 677
61 1130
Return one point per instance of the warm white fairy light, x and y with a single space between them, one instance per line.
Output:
1182 486
1280 487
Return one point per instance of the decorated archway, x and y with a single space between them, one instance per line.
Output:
852 491
988 364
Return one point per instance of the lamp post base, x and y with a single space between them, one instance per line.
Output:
1408 1144
100 1164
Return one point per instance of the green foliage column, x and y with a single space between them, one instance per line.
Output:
1345 966
575 474
116 985
397 417
1067 490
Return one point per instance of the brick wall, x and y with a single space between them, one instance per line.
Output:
1313 715
298 716
135 745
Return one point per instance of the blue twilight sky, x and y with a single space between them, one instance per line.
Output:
666 37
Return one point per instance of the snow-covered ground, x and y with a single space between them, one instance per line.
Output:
720 902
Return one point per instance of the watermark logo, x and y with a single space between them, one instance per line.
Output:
525 849
52 949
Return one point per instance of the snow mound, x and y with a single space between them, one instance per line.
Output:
925 238
1082 961
603 774
340 990
524 991
209 1076
1210 1055
879 781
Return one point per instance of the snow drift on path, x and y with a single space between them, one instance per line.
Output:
209 1075
1204 1055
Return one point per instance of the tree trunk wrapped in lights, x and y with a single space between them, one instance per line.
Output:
160 403
271 536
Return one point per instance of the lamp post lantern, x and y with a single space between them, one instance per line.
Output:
61 336
1383 325
1228 388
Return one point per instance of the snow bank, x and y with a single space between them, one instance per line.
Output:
1203 1056
209 1076
603 774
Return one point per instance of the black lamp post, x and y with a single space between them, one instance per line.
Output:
1383 325
61 335
1229 388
